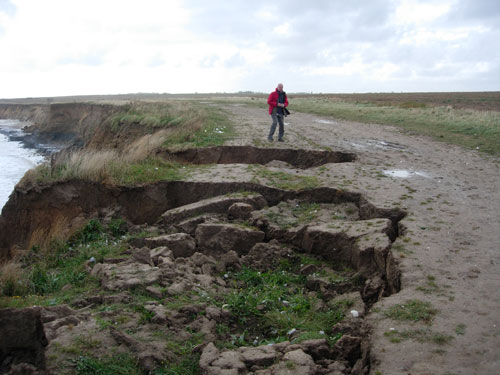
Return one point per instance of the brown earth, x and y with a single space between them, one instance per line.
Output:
449 236
452 197
61 123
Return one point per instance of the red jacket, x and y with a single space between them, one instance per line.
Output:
273 101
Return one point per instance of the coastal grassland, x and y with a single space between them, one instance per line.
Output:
185 123
475 126
172 125
105 167
465 127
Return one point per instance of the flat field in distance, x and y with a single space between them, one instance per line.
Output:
471 120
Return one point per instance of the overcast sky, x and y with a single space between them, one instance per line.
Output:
62 47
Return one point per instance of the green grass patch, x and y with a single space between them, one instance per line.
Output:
288 216
212 128
282 180
119 364
460 329
187 362
273 306
420 335
430 286
413 310
45 272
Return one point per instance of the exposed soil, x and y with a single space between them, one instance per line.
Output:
451 234
253 155
445 251
181 267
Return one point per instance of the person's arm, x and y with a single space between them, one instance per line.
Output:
271 100
286 100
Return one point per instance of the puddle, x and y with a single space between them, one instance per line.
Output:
385 145
375 143
321 121
402 173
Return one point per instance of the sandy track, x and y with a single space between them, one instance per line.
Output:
452 237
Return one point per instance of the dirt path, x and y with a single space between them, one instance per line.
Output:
449 253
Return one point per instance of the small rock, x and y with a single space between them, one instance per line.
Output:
308 269
163 252
230 259
178 288
260 356
200 259
226 237
181 244
299 358
143 255
230 360
154 291
209 354
240 210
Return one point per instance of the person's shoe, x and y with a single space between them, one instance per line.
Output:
269 139
281 140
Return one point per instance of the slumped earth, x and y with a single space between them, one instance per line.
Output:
234 284
338 268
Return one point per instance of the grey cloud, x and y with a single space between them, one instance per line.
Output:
484 10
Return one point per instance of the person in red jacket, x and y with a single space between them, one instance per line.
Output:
277 101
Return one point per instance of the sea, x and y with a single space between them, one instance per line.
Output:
15 158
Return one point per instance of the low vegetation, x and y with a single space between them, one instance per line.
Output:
114 365
283 180
188 123
274 306
173 125
412 310
105 167
266 306
474 126
40 275
420 335
465 127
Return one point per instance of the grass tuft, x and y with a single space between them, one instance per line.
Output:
413 310
282 180
420 335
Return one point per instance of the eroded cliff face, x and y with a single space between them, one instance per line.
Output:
39 215
64 123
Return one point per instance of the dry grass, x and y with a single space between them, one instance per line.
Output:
11 279
108 167
145 146
147 127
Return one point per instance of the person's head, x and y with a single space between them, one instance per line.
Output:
280 87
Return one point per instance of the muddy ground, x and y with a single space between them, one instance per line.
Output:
449 252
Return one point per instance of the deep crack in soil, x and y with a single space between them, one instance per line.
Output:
259 267
298 158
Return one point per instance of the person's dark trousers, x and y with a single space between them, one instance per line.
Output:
277 118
